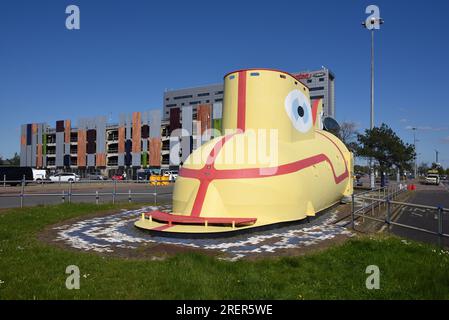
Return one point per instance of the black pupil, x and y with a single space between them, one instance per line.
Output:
301 111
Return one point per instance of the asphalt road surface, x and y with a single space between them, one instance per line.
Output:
82 192
424 218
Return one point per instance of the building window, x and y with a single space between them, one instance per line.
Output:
218 100
166 99
183 97
218 92
231 77
254 74
316 97
171 105
203 94
316 89
321 79
309 80
194 102
207 101
284 77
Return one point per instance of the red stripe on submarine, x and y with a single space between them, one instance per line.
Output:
275 163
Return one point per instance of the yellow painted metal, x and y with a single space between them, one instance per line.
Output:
301 168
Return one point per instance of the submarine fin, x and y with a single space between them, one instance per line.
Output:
317 113
310 210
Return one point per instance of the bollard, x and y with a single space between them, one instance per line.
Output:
97 197
155 194
353 212
4 180
129 195
388 220
22 191
70 192
63 196
440 225
114 192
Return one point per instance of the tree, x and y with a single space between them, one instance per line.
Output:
382 144
1 161
423 168
436 166
15 160
348 135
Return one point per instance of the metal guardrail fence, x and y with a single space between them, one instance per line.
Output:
67 195
377 198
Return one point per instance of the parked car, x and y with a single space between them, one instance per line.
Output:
96 176
172 174
143 174
432 179
12 175
118 177
64 177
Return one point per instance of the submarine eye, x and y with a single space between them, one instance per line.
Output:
299 111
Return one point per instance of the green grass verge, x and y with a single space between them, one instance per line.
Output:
30 269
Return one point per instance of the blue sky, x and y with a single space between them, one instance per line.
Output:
127 52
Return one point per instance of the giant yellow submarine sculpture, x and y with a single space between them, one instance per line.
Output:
226 186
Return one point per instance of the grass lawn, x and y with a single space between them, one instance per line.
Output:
30 269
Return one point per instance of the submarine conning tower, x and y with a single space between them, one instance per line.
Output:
256 98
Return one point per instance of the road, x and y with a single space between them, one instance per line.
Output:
424 218
82 192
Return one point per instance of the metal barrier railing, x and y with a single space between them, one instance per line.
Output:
388 201
67 195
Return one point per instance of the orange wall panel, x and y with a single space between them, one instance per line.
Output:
39 156
121 140
155 151
137 131
204 116
101 160
81 148
67 131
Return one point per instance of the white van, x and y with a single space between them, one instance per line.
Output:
39 175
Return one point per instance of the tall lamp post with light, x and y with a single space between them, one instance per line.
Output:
416 154
372 22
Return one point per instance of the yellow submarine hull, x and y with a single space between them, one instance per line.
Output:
267 168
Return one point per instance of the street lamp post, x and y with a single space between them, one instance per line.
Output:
372 23
416 154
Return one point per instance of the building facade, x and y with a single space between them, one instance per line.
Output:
140 140
192 97
321 84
